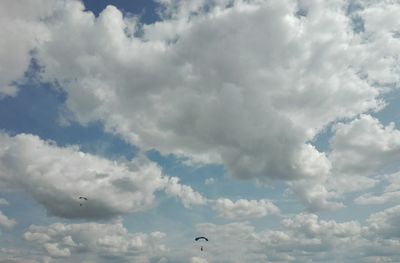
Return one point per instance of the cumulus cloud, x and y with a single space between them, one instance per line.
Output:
306 238
364 146
234 242
383 231
315 195
56 176
391 192
181 86
244 209
6 222
381 41
22 31
103 240
183 192
385 224
247 84
360 150
301 238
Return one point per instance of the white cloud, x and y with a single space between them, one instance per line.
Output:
183 192
103 240
235 242
244 209
316 196
186 90
301 238
54 251
364 146
342 184
361 149
56 176
22 31
306 238
247 84
381 41
6 222
308 225
385 224
383 232
391 192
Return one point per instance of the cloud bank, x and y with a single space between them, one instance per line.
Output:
57 176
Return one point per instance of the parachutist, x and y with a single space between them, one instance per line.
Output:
83 198
199 238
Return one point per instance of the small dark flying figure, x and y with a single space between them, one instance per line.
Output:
200 238
83 198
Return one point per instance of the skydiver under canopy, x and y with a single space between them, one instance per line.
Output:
82 198
201 238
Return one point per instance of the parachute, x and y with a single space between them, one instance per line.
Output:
198 238
82 198
201 238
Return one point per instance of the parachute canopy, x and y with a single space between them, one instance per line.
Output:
82 198
198 238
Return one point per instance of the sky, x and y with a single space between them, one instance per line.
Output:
269 127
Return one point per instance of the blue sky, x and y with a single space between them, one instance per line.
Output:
275 135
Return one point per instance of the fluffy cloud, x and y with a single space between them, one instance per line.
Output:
183 192
364 146
234 242
383 231
237 84
246 83
302 238
244 209
381 41
361 149
56 176
315 195
328 194
299 238
306 238
391 192
386 223
6 222
103 240
22 32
